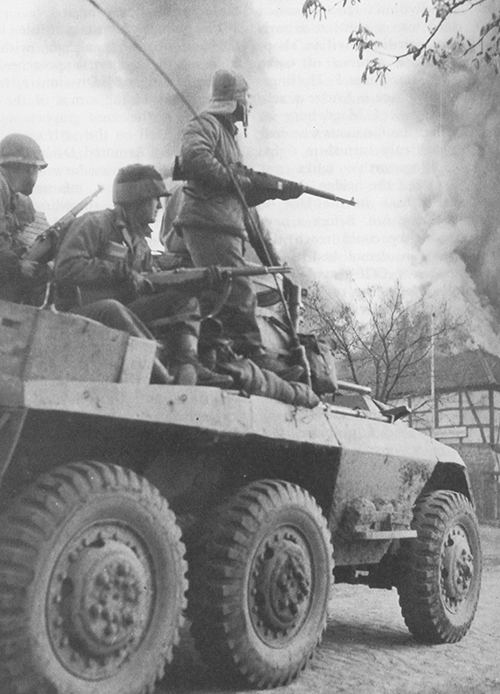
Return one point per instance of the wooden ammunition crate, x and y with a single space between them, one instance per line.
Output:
38 344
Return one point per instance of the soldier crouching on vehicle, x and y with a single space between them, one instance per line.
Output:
20 161
102 257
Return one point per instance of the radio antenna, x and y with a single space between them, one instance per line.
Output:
151 60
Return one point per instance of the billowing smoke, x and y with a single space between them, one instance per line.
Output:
189 39
456 221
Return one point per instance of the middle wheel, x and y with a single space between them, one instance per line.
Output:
260 583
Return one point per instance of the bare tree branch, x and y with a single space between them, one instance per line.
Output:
385 346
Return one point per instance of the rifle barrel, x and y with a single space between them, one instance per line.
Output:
259 270
43 247
210 274
328 196
86 201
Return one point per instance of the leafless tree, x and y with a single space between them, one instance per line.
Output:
383 338
440 48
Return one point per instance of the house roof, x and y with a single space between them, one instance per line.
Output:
469 369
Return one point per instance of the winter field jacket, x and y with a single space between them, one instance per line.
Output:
96 258
208 144
16 211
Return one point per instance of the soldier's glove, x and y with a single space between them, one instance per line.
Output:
290 190
142 286
121 270
243 176
244 182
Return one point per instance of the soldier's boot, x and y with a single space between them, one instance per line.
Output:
187 369
266 361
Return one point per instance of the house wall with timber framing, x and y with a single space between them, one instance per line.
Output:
466 416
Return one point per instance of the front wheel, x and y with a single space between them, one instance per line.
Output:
92 583
260 583
440 571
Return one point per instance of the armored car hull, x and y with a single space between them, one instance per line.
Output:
126 504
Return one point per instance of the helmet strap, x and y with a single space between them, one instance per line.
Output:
245 120
241 114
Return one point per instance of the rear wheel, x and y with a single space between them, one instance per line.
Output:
92 583
440 574
260 583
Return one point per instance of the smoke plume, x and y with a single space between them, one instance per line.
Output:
189 40
456 220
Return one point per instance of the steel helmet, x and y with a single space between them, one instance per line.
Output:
137 182
21 149
229 89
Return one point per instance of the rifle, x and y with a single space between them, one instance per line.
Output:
270 182
208 276
267 181
199 278
44 246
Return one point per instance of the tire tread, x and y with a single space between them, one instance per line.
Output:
419 597
218 561
32 517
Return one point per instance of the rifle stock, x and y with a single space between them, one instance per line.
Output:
44 246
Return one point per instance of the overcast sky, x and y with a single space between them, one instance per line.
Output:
312 119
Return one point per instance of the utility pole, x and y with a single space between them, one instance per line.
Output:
433 378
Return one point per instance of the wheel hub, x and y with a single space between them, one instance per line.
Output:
99 601
457 567
109 596
280 587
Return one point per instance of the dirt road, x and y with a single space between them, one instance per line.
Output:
367 649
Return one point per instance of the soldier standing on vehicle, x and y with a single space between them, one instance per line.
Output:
175 245
212 218
20 161
103 255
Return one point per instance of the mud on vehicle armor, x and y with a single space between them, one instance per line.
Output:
100 469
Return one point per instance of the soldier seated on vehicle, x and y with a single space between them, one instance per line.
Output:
20 161
103 255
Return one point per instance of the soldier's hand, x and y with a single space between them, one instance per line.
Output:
28 268
141 284
244 182
290 190
121 270
243 176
